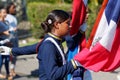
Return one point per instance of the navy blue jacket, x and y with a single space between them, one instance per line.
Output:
26 50
31 49
50 62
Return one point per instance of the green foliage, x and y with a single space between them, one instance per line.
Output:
37 12
50 1
93 12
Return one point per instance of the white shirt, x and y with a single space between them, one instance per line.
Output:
12 21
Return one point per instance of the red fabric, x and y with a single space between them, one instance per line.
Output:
38 45
78 18
100 59
105 54
78 15
92 60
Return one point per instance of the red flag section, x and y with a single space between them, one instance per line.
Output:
78 15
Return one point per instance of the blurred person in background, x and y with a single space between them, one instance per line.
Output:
12 22
5 57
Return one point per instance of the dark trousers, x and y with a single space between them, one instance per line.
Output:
5 59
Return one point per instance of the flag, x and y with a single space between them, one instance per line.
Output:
78 19
78 15
96 24
104 52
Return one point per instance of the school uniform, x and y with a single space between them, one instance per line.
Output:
54 68
26 50
50 61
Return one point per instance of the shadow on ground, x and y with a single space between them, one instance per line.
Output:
34 74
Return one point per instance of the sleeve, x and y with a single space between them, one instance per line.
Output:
77 37
48 60
2 28
73 41
26 50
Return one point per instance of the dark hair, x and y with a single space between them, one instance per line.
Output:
54 16
8 6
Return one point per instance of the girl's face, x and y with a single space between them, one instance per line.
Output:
12 10
64 28
3 13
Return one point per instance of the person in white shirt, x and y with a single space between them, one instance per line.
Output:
12 22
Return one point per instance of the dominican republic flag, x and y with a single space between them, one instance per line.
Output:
104 53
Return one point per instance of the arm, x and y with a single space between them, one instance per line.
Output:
3 29
72 41
26 50
6 33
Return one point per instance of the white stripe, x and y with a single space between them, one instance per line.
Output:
108 38
61 52
105 33
102 27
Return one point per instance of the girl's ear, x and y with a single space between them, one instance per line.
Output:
56 24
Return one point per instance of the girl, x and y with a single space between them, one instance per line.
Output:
52 64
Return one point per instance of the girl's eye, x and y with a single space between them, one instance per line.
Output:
68 22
